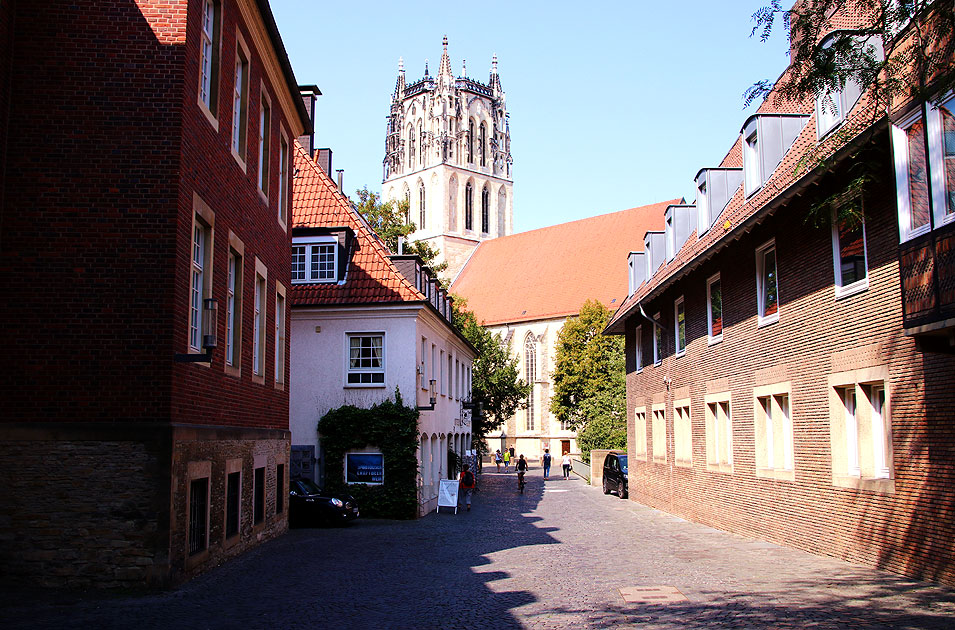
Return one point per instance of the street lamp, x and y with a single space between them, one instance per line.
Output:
434 398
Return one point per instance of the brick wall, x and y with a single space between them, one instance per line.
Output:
908 529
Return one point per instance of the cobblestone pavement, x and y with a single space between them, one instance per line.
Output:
560 556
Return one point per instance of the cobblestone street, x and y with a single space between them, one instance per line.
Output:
562 555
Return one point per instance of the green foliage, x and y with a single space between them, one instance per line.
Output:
389 426
494 383
589 378
602 432
390 221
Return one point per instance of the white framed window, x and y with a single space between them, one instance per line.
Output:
422 216
912 176
450 375
773 431
767 287
702 209
860 429
366 359
314 260
719 432
638 349
240 101
657 341
682 433
210 47
441 381
424 363
828 111
640 432
282 195
233 323
258 322
679 326
200 271
751 176
265 143
941 133
849 255
280 335
714 309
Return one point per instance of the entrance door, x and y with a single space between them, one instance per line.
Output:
564 447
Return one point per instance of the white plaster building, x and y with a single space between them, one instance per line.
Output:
363 324
447 151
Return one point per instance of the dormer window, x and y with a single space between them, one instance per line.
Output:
702 208
751 163
714 189
314 259
766 139
671 249
828 111
832 105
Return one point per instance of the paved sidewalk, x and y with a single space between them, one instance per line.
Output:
563 555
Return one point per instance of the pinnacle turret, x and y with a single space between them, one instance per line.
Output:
444 69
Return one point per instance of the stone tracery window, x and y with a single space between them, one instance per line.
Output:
469 207
485 211
530 373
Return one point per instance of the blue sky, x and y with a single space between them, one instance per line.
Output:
612 104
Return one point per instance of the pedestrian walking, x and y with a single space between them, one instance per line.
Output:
497 459
565 463
466 483
546 461
507 459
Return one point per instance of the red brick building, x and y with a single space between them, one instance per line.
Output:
145 240
797 383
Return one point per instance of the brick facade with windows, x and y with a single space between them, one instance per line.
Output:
122 203
824 424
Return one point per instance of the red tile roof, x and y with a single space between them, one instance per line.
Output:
370 276
552 271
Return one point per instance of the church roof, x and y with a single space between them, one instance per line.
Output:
370 276
550 272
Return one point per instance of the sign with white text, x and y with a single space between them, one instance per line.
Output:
365 468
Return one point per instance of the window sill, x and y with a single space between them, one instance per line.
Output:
322 281
279 385
712 341
641 458
913 234
680 464
233 371
852 289
681 353
364 385
720 468
197 559
767 321
659 460
263 197
239 160
882 486
208 114
258 378
776 473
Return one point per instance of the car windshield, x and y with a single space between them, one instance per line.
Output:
623 463
305 486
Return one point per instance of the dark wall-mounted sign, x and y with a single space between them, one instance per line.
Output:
364 468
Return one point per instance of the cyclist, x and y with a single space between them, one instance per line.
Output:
521 469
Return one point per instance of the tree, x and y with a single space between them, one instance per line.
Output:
589 377
494 383
894 50
390 221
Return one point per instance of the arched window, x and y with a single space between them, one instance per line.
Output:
483 147
421 206
453 204
530 373
501 210
470 142
410 146
421 146
485 211
407 208
469 207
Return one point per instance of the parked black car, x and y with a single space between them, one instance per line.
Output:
615 474
309 505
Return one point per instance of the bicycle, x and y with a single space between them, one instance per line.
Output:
520 481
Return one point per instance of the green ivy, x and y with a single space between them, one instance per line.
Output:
393 428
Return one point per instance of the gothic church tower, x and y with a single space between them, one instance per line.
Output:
448 152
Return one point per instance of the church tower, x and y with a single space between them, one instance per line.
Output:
448 152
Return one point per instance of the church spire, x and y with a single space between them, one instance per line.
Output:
495 81
444 69
400 85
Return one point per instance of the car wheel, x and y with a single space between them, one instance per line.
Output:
606 488
621 491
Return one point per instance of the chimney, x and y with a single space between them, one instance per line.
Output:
310 94
323 157
341 175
